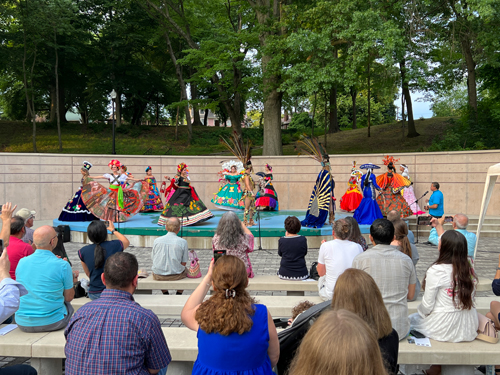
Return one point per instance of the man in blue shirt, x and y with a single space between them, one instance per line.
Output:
436 202
49 281
460 222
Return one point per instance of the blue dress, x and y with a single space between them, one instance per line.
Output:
236 354
320 201
368 210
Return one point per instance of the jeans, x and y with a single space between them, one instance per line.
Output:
18 370
94 296
163 371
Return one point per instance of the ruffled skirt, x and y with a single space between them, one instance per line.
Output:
456 326
268 199
75 210
229 197
351 200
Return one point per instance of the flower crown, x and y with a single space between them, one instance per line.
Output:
181 167
115 163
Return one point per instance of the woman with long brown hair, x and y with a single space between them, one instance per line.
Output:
338 343
234 333
402 242
447 311
356 291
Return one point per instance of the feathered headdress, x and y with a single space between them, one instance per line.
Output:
389 159
312 148
240 149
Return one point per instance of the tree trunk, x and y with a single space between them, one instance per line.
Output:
58 109
196 111
354 95
471 73
205 118
334 117
314 114
369 95
30 103
53 103
412 130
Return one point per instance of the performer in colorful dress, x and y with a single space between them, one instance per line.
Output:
352 197
75 209
368 210
184 203
391 183
266 197
229 195
408 193
114 203
322 201
153 200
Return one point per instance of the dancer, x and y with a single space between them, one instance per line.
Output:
153 199
391 183
352 197
114 203
408 193
368 210
123 170
184 203
75 209
322 201
229 195
267 198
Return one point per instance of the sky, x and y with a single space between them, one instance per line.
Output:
420 108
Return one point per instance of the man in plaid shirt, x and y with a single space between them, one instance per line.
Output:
113 334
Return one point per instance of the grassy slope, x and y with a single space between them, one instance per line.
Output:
17 137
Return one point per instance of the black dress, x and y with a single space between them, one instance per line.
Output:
293 251
389 346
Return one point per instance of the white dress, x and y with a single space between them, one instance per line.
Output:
437 317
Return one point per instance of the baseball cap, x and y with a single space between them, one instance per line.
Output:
25 213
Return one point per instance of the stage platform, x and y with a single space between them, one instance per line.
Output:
142 229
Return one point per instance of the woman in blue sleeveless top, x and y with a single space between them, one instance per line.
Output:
235 335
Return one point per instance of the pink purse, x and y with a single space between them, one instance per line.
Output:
193 270
486 329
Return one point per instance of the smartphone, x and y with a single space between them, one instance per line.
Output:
218 254
424 220
416 334
448 219
1 246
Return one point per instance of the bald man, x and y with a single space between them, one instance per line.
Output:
49 281
460 222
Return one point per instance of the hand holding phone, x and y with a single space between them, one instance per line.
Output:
448 219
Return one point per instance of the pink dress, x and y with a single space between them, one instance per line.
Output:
244 248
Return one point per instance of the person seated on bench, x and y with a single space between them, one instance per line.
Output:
335 257
494 313
49 281
393 216
447 310
29 218
170 254
339 343
114 335
94 256
235 334
393 272
293 250
234 237
17 249
460 222
355 233
357 292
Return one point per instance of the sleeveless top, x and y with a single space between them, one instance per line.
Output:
235 354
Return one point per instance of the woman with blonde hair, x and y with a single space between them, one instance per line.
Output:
356 291
234 333
338 343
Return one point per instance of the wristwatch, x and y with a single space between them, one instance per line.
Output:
113 231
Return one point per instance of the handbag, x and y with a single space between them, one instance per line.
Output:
79 290
486 329
193 271
313 272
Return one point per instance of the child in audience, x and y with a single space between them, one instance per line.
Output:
299 309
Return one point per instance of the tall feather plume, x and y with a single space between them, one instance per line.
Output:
240 149
311 147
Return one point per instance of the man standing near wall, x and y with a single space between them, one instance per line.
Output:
435 205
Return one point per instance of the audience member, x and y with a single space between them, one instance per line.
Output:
357 292
393 272
293 250
299 309
394 215
94 256
460 222
170 254
403 244
355 233
435 204
29 217
447 310
335 257
494 313
17 249
235 334
339 343
235 238
10 294
114 335
49 282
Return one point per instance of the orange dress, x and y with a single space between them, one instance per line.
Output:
390 197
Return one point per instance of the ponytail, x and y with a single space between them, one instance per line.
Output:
99 256
367 178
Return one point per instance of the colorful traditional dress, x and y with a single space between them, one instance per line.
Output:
153 199
390 197
321 201
229 196
185 205
75 209
409 195
114 203
352 197
368 210
267 197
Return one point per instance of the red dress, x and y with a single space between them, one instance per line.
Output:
352 197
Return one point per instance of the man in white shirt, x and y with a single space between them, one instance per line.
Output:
335 257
